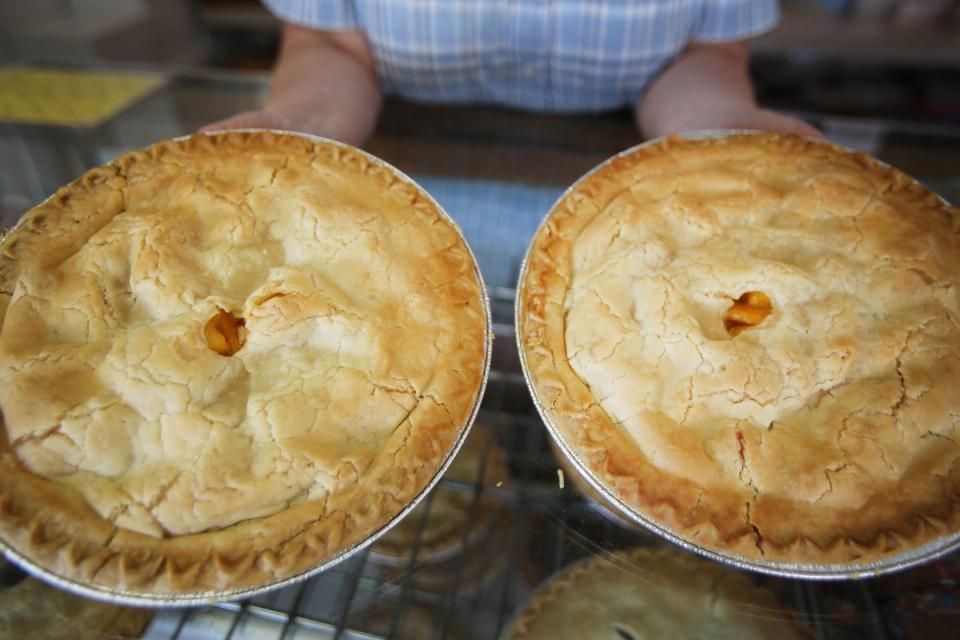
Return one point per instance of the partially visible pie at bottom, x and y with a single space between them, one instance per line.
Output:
652 593
32 610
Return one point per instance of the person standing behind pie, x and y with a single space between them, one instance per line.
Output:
681 65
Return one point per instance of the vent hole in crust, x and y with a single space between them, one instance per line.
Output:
225 333
747 311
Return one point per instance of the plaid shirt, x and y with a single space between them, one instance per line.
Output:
552 55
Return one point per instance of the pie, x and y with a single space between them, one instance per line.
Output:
404 619
225 360
32 610
652 593
753 344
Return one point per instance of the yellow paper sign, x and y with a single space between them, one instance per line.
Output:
67 97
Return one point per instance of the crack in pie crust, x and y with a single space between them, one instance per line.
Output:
754 342
227 358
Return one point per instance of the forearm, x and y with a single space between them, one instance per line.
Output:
324 83
704 79
327 82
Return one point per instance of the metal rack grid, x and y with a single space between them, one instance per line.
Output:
542 529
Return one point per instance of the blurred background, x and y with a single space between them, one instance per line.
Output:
877 58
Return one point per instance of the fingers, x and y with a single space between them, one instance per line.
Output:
780 122
744 118
804 129
246 120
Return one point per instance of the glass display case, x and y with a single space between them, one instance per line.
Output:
503 520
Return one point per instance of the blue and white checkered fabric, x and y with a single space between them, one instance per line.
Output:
498 219
551 55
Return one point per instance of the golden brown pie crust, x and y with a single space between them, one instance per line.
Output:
136 456
824 433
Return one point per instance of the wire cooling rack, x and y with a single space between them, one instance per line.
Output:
539 528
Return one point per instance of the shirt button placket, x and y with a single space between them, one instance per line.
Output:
498 56
531 52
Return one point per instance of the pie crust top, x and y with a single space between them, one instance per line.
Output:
652 593
226 358
754 342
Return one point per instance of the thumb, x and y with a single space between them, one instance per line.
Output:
788 124
245 120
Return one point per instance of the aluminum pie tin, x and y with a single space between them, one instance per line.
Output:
193 598
474 516
599 504
456 545
810 571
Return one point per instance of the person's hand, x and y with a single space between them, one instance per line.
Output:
338 125
325 83
708 87
747 117
257 119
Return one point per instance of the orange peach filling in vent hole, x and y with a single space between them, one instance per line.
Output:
224 333
747 311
